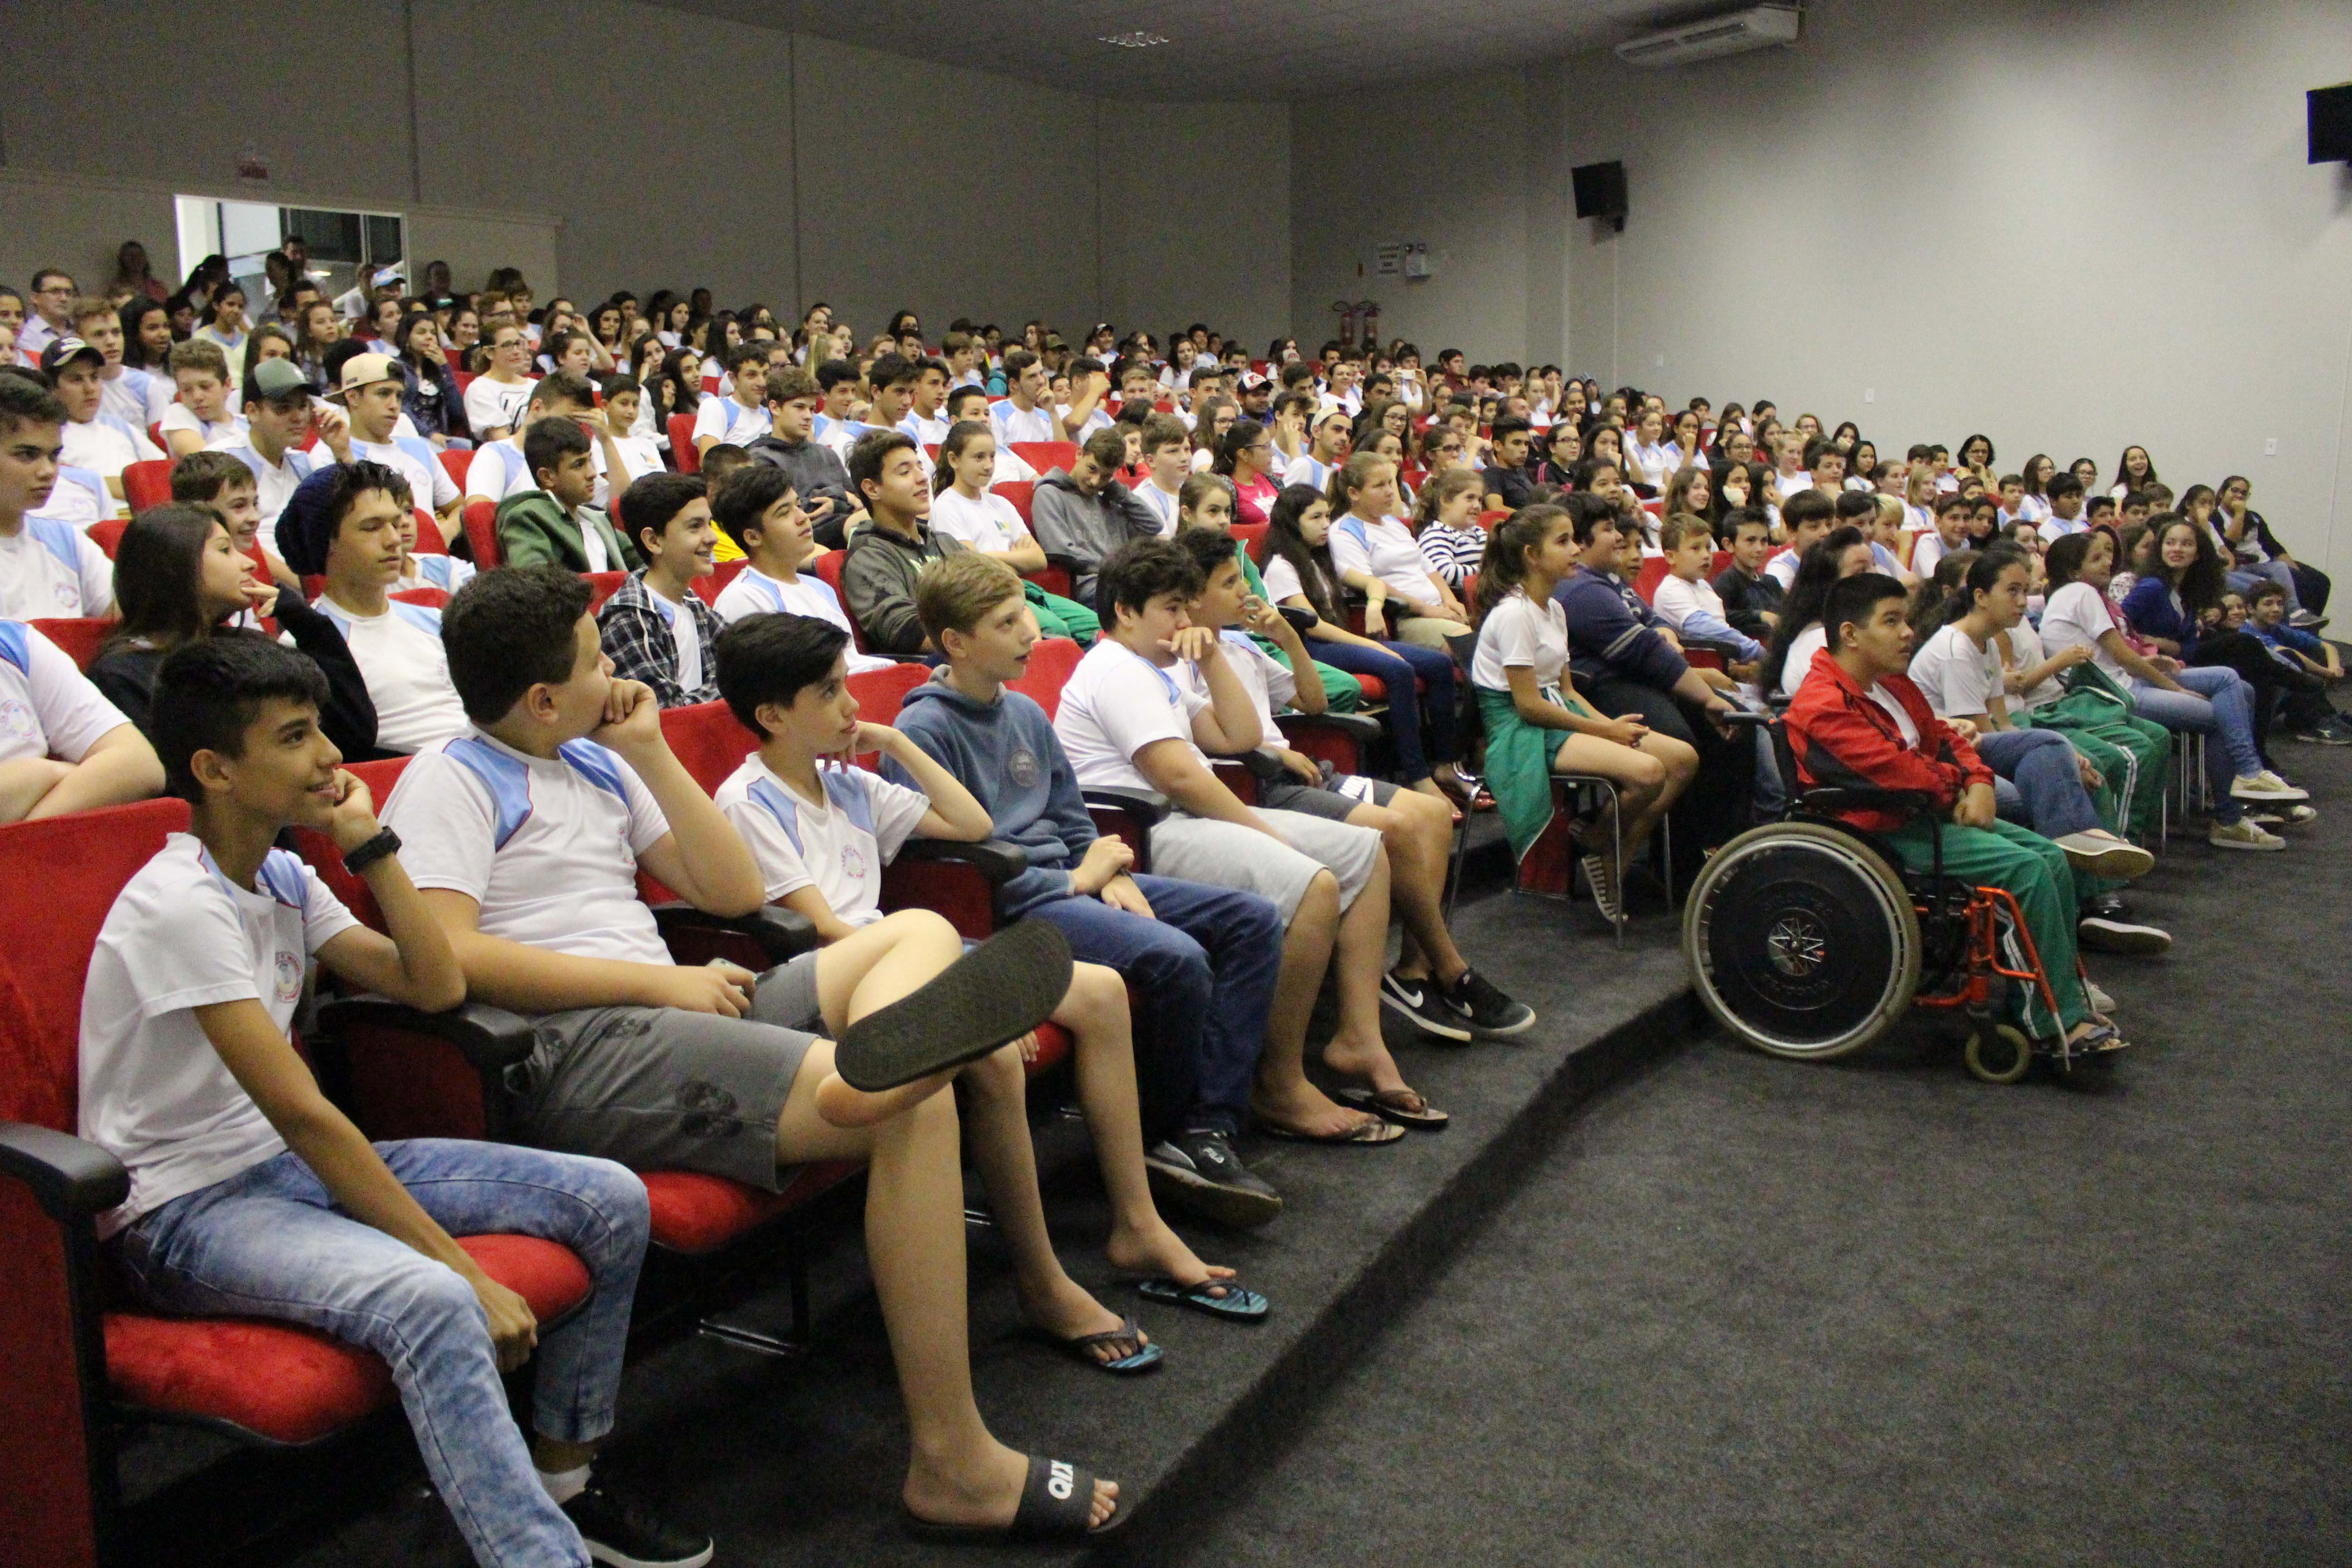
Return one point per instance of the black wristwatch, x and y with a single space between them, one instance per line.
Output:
383 844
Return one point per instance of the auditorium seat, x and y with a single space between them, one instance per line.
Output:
147 484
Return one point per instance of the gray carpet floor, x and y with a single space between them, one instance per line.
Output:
1753 1312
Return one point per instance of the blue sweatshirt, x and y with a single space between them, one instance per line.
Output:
1007 754
1605 637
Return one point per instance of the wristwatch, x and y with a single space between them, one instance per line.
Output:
383 844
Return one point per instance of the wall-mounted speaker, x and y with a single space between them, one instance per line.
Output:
1601 191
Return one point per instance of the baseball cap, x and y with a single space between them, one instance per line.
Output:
55 357
1251 381
275 378
365 370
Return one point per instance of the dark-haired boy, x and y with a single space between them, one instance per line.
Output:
1082 515
251 1193
48 567
1027 412
1808 517
500 469
878 575
656 628
559 521
838 383
925 420
742 417
760 511
819 476
277 412
1509 485
527 833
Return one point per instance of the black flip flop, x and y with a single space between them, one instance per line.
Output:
1388 1105
1239 1303
998 992
1368 1135
1080 1348
1057 1501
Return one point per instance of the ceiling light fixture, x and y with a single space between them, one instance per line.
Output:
1132 40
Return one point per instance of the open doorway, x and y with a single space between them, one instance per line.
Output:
341 248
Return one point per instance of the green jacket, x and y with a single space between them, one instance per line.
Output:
533 531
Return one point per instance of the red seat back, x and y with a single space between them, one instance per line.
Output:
1716 567
1051 663
482 521
430 539
1020 492
147 484
1252 538
1046 455
880 694
710 587
1653 571
706 741
681 444
603 585
80 637
107 534
827 567
459 461
1490 520
320 852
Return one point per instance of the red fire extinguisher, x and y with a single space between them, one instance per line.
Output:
1369 311
1346 312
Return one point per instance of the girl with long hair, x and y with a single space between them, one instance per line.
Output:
964 508
224 326
1246 455
430 399
2135 470
1789 657
147 337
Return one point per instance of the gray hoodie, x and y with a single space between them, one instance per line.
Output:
1083 527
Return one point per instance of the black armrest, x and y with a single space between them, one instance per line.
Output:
1831 799
1065 562
781 933
491 1038
72 1178
1739 716
996 859
1147 809
1360 726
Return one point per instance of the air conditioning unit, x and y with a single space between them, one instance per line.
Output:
1759 28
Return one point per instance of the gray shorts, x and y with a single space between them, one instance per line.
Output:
1331 800
660 1089
1227 855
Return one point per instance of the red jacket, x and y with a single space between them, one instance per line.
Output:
1842 736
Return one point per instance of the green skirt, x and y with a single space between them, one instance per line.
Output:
1518 768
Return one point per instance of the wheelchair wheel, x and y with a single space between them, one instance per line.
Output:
2000 1056
1801 941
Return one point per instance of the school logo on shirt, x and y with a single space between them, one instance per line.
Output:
852 862
68 598
290 976
1021 767
17 721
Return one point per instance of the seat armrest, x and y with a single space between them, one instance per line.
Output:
996 859
1147 809
1362 728
781 933
490 1038
1740 718
1833 799
72 1178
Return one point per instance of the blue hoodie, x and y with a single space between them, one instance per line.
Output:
1007 754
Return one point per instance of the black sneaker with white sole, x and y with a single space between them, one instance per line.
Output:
1197 1171
1419 1001
1478 1002
621 1531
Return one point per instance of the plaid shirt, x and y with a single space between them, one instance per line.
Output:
636 636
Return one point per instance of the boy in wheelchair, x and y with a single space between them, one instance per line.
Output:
1857 721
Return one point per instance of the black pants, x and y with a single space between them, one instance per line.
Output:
1716 806
2269 677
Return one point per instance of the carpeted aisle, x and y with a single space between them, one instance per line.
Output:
1753 1312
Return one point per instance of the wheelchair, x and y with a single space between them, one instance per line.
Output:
1807 939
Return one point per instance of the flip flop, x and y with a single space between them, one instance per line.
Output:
1057 1501
1239 1303
1397 1105
1081 1349
1610 903
1373 1132
998 992
2098 1041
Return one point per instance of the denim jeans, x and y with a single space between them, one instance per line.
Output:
2214 705
2243 577
1397 663
1208 960
269 1242
2042 765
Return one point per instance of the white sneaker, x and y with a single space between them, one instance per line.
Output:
2242 835
2098 998
2105 854
2266 785
2100 934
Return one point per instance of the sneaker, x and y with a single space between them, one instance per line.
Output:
2305 620
2242 835
2265 786
1418 1000
2292 817
2105 854
2100 934
2096 995
1198 1172
1476 1001
2323 737
2108 904
621 1531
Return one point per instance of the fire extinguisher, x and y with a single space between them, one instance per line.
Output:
1370 311
1346 315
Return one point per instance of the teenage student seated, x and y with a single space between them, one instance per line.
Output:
560 522
224 484
878 572
1857 718
758 508
370 392
1207 956
502 467
819 477
252 1194
343 523
964 507
48 568
1084 513
64 747
823 830
1129 723
656 627
527 834
277 417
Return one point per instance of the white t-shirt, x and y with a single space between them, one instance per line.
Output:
1955 675
2075 615
1269 683
406 668
80 498
1782 569
1385 549
1011 425
212 432
837 846
1162 504
1919 519
1654 466
1281 580
52 570
106 445
1806 643
754 593
48 707
1895 709
181 935
1099 420
988 524
685 635
1117 703
445 572
2054 529
1925 551
1304 469
275 483
1520 634
547 845
639 457
429 484
931 432
724 419
498 470
1676 600
494 404
2025 646
137 397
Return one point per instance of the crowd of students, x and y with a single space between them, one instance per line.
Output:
1477 539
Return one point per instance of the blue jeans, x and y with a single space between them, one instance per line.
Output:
2220 707
1208 963
2042 765
269 1242
1396 663
2243 577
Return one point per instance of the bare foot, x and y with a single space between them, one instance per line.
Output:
1371 1062
1156 1251
982 1488
1067 1311
1309 1110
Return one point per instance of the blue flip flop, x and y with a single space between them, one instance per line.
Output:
1239 1303
1144 1358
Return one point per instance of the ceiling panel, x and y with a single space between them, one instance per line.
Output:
1216 49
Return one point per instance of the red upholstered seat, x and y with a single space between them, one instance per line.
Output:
1653 571
285 1383
429 541
681 444
603 585
1020 492
693 1213
457 462
80 637
707 740
710 587
1046 455
481 521
1051 662
147 484
107 531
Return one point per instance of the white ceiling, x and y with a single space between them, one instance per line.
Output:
1219 50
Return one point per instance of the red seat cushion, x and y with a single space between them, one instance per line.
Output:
1375 689
693 1213
1052 1048
292 1384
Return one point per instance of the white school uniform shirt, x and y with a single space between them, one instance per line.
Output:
80 498
137 397
724 419
754 593
52 570
429 484
2033 509
1011 425
232 347
1955 675
181 935
106 445
498 470
492 405
546 846
837 846
2054 529
1782 569
1097 420
275 483
639 457
2076 614
1162 504
445 572
1925 551
1802 649
48 707
1520 634
1304 469
1675 600
988 524
211 432
1385 549
1652 465
1268 681
401 657
2025 645
1117 703
931 432
1281 580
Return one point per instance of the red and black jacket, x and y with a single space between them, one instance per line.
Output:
1843 737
